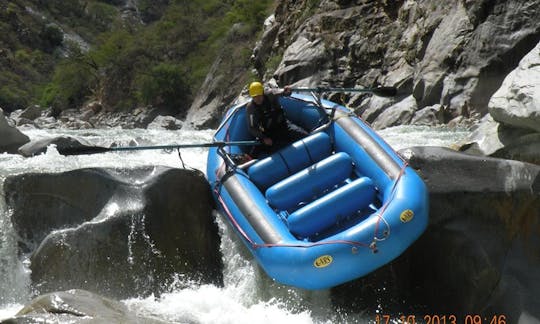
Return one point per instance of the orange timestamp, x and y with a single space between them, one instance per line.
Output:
441 319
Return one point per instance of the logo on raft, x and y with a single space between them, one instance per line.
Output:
323 261
406 215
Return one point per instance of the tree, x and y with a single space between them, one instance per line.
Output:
166 87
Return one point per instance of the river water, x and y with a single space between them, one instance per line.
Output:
248 296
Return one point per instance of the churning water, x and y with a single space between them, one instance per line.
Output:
248 296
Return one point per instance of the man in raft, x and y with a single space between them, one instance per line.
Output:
267 120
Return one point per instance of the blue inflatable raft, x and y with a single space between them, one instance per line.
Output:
324 210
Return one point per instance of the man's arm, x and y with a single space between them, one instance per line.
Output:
254 125
286 91
253 122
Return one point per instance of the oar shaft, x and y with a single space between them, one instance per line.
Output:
101 149
328 89
378 91
177 146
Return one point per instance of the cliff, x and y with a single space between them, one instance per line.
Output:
446 58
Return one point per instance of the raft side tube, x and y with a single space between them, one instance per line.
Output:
254 212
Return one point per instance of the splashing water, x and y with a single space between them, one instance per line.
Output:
248 295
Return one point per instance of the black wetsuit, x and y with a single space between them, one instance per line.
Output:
268 120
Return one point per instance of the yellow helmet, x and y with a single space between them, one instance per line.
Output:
256 89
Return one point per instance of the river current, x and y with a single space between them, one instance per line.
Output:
248 296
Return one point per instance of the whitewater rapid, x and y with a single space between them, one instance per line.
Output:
248 295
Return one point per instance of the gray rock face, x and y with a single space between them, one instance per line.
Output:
118 233
479 254
483 216
10 137
449 53
399 114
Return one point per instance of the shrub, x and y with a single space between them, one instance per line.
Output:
13 98
165 87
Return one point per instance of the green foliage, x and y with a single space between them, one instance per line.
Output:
161 63
51 37
13 97
101 13
252 13
70 86
165 87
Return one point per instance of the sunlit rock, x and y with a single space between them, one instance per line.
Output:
400 113
76 306
517 102
10 137
165 122
512 128
429 116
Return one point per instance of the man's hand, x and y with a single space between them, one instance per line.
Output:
287 90
267 141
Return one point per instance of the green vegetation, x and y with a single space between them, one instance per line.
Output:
117 60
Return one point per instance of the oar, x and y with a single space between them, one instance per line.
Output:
378 91
102 149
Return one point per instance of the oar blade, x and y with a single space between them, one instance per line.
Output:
384 91
81 150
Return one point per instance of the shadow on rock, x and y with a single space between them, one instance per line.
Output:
479 254
120 233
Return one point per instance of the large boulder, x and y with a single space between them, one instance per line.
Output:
62 143
119 233
76 306
399 114
512 128
10 137
517 102
479 254
165 122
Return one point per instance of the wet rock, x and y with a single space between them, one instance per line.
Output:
47 122
120 233
165 122
429 116
31 112
400 113
10 137
62 143
76 306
